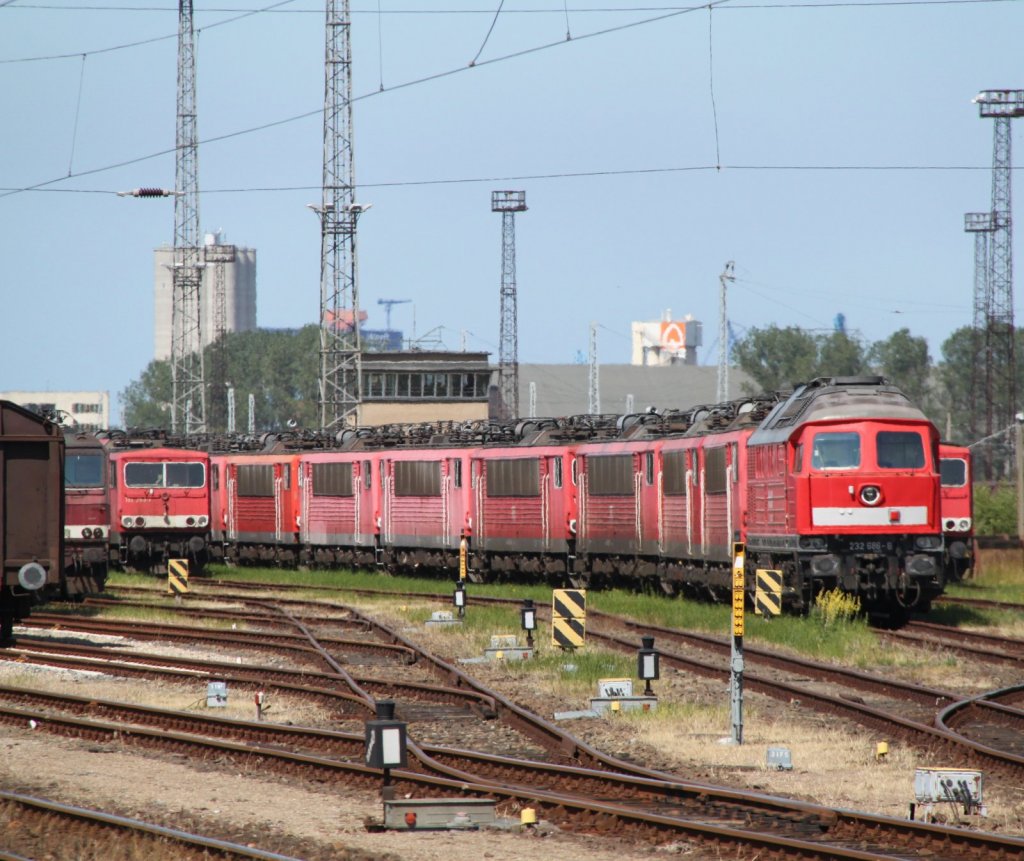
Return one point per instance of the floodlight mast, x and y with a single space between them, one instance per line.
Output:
508 203
340 384
188 388
1001 106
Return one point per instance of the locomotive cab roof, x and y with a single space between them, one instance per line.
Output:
835 399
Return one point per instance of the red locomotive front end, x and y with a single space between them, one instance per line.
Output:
160 507
957 509
844 493
86 514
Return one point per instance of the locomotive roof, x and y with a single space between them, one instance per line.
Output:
835 399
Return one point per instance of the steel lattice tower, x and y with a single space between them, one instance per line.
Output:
980 414
188 398
1001 368
508 203
340 390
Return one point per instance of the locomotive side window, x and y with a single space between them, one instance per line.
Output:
714 470
332 479
367 474
798 458
83 470
417 478
557 461
514 477
900 450
457 472
286 475
836 450
256 479
734 459
610 475
649 467
675 473
215 476
953 471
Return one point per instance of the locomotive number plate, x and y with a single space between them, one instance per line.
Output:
872 546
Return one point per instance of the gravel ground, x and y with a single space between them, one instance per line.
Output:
835 765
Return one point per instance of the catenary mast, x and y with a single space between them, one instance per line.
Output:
340 386
188 398
1001 106
508 203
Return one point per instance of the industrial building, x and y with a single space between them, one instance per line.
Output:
228 268
667 341
88 411
564 390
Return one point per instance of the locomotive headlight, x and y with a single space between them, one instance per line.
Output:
202 521
97 532
812 542
140 521
87 532
950 525
965 524
126 521
870 494
190 521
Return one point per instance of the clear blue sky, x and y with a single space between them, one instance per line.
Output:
615 138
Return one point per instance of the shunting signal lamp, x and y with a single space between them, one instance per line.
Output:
647 664
459 598
528 615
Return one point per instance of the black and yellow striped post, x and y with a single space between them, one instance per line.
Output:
177 576
568 618
768 593
739 569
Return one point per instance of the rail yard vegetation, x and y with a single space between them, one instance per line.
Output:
279 368
824 635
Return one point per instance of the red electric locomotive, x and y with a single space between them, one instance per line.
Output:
957 509
86 514
256 506
159 501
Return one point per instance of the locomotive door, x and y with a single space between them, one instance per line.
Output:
231 476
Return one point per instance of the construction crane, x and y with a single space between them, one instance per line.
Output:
388 305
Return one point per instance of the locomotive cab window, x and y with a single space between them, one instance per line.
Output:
900 450
953 471
836 450
83 470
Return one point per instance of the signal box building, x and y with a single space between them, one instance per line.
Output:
400 387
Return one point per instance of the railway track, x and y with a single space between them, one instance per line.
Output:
835 834
38 827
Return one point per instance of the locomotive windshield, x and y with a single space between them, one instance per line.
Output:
83 470
900 450
953 471
836 450
160 474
